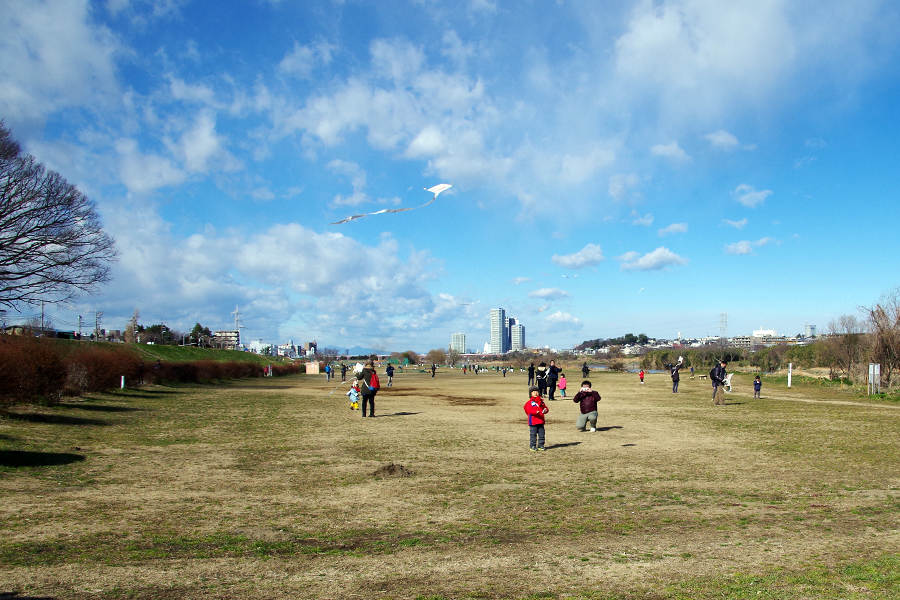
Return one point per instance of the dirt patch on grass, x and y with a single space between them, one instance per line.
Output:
393 470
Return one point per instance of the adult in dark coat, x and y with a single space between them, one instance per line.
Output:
367 393
552 379
585 370
717 376
540 378
531 375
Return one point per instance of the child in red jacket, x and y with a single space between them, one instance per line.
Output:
536 409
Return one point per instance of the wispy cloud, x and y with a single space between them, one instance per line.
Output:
722 140
549 294
589 256
659 260
520 280
746 247
637 219
671 151
750 196
736 224
619 185
673 228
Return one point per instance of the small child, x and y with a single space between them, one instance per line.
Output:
757 387
562 385
536 409
641 374
354 395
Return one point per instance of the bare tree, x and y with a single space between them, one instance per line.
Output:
884 325
438 356
52 247
453 356
848 333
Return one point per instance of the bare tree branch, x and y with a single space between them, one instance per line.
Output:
52 245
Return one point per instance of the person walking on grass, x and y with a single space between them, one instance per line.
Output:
536 409
717 376
368 387
587 400
343 372
641 375
390 373
585 370
531 375
757 387
562 384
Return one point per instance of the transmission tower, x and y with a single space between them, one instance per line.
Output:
723 326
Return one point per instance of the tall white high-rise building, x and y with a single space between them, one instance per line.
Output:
499 335
517 337
458 342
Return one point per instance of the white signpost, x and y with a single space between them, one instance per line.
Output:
790 372
874 378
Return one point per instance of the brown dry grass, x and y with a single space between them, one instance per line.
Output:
274 489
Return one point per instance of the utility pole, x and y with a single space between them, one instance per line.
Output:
724 327
80 319
97 316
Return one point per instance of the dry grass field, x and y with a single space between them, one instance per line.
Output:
271 488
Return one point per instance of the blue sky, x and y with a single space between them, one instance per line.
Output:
629 166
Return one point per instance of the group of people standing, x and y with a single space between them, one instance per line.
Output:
547 379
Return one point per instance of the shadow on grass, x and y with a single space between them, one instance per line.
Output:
22 458
562 445
131 393
611 427
16 596
400 414
54 419
102 408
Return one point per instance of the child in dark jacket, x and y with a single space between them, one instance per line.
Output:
757 387
587 400
536 409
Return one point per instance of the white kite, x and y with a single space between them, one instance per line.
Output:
435 190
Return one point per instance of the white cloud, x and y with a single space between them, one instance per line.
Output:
736 224
742 247
589 256
671 151
637 219
620 184
301 60
429 142
723 140
699 56
658 260
145 173
520 280
815 143
563 321
357 178
673 228
750 196
549 294
745 247
53 59
577 169
201 144
204 276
